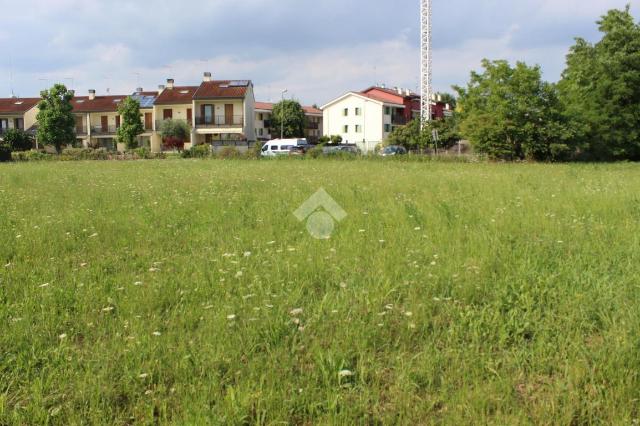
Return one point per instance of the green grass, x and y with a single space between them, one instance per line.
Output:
454 293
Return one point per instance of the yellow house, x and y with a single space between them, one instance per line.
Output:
97 120
147 102
219 112
18 113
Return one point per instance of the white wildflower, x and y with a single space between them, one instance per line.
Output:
143 376
231 317
93 235
345 373
296 312
238 274
62 336
157 333
247 254
44 285
107 309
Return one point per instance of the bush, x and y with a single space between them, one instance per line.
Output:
18 140
197 151
31 156
315 152
5 152
229 152
75 154
255 152
143 153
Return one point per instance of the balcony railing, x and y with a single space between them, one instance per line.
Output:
103 130
398 120
81 130
220 121
159 122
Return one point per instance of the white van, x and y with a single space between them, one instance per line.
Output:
277 147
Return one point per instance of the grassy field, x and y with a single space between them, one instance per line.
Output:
186 292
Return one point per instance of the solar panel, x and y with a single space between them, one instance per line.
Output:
239 83
145 101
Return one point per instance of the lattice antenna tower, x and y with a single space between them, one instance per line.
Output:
425 62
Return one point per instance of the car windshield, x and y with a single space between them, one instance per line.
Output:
390 150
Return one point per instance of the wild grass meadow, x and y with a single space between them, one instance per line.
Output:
186 292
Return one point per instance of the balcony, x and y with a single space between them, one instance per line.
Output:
159 122
399 120
104 130
81 130
220 121
312 126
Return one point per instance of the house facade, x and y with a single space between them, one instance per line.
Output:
263 128
367 118
18 113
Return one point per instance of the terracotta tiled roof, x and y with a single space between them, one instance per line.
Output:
382 99
222 89
177 95
17 105
311 110
268 106
98 104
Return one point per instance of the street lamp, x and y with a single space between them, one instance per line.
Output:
282 115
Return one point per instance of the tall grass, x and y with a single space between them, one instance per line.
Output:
186 292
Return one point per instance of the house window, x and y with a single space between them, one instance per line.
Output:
261 131
358 128
260 117
358 111
345 129
345 112
387 111
387 128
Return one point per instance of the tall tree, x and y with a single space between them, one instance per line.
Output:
510 113
56 122
600 89
290 113
131 126
175 133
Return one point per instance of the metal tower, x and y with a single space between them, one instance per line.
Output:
425 62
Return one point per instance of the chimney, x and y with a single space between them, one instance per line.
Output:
139 90
400 90
170 82
383 86
92 94
160 88
207 77
407 92
439 98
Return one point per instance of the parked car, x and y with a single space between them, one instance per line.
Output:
337 149
393 150
299 150
277 147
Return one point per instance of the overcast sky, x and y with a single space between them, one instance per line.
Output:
318 49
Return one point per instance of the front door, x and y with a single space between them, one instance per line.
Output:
228 114
80 124
189 115
167 114
104 123
148 118
18 123
117 121
4 125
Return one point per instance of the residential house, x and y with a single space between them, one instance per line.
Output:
147 102
367 118
219 112
264 111
18 113
97 120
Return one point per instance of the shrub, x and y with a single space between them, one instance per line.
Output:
75 154
5 152
255 152
229 152
18 140
315 152
143 153
197 151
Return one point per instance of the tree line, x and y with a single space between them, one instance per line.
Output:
592 114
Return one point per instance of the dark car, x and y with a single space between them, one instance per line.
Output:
298 150
393 150
340 149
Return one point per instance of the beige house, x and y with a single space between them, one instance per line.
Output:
264 111
220 112
97 120
18 113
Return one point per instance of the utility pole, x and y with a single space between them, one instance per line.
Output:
425 62
282 115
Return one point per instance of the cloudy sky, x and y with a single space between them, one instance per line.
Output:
317 49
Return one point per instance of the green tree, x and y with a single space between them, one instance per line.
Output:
291 113
448 98
600 89
18 140
56 122
510 113
131 126
175 133
412 136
